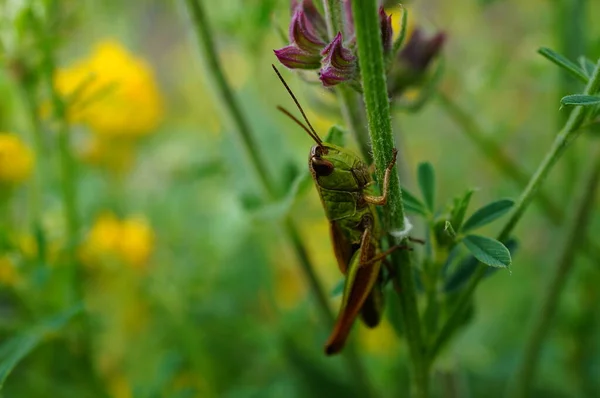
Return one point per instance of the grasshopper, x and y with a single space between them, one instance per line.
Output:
344 184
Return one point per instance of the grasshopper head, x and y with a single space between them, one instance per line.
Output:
336 168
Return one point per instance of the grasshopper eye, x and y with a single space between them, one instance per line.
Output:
322 167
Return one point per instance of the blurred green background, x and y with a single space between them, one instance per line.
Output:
191 286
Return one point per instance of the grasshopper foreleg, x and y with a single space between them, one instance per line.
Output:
381 200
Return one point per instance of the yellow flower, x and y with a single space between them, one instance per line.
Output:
130 241
137 241
16 159
113 92
381 341
8 272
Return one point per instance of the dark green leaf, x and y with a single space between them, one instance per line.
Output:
412 204
487 250
564 63
580 99
487 214
426 177
587 65
15 349
336 135
465 269
459 209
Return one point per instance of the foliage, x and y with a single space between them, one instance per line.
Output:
160 235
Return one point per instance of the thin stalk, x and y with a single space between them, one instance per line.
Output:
370 53
509 167
37 183
526 372
570 132
68 166
204 36
349 101
571 19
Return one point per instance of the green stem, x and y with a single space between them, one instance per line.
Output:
509 167
570 132
37 183
525 375
349 101
68 166
199 23
370 55
335 22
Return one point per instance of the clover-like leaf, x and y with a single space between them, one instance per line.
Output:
412 203
564 63
487 214
580 99
487 250
426 177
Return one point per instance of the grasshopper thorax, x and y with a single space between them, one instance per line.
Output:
337 168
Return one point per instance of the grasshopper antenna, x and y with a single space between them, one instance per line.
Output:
310 130
298 122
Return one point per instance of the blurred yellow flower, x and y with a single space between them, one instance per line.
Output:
130 240
112 91
396 14
8 272
136 242
16 159
382 340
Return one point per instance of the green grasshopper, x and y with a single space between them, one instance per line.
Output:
344 184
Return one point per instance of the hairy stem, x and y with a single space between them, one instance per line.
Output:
349 101
525 374
230 105
565 137
370 53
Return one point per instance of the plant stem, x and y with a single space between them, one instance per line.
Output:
565 137
333 11
509 167
68 166
370 55
201 28
37 184
349 101
525 375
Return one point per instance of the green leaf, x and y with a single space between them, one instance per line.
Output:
487 214
564 63
487 250
336 135
412 203
426 177
15 349
580 99
587 65
459 209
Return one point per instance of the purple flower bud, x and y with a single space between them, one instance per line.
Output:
385 21
307 35
304 35
420 51
313 15
339 64
295 58
410 67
